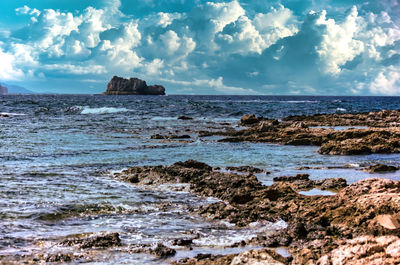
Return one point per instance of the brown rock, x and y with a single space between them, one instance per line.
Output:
93 241
380 168
249 119
365 250
162 251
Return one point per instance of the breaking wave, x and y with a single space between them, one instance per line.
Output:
103 110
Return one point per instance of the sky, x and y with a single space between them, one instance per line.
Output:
256 47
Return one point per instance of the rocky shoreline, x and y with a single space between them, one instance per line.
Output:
380 132
354 224
360 222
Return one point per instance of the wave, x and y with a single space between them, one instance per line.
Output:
12 114
103 110
158 118
341 109
300 101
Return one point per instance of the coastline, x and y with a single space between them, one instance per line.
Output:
323 221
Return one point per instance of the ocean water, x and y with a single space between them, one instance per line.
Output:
57 153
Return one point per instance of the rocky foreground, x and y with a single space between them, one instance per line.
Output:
358 225
380 132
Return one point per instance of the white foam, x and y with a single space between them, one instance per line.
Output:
353 165
315 192
341 109
103 110
158 118
12 114
300 101
229 237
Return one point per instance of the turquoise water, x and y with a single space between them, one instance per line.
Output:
57 153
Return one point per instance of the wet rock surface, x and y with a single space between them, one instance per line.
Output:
380 168
248 169
94 241
170 137
380 135
162 251
183 117
259 257
316 225
382 118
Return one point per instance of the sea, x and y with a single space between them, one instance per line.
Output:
58 153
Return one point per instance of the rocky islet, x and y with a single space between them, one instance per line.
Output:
132 86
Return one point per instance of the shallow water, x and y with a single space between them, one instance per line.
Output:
57 151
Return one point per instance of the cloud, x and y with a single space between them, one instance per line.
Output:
76 69
338 44
8 70
27 10
387 82
279 47
215 84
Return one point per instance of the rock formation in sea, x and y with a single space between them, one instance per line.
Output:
132 86
3 90
377 132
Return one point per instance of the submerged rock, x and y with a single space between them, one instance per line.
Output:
183 117
132 86
170 137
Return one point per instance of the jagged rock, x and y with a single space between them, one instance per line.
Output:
267 125
249 119
259 257
365 250
93 241
292 178
206 259
248 169
316 225
380 168
132 86
349 141
182 242
162 251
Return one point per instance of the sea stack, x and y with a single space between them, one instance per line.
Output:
3 90
132 86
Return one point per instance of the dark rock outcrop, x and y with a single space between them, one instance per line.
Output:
3 90
317 226
132 86
93 241
381 133
249 119
380 168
